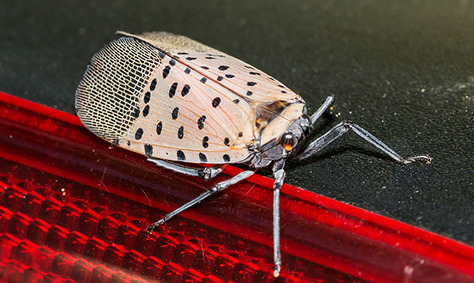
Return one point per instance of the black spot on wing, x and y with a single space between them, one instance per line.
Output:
174 114
226 158
181 132
148 149
146 110
153 84
159 127
147 97
181 156
205 143
166 71
200 122
185 90
216 101
202 157
139 134
172 91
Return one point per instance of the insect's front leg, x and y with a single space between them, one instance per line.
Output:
341 129
326 104
206 173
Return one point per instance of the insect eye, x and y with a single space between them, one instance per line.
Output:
288 140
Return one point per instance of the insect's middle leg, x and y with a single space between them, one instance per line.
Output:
341 129
279 175
217 188
206 173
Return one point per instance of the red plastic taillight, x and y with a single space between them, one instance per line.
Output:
72 208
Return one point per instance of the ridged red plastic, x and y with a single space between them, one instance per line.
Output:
74 208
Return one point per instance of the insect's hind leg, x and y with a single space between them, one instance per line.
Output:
206 173
217 188
341 129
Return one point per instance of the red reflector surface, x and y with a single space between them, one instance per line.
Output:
72 208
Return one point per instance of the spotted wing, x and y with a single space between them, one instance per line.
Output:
139 97
243 79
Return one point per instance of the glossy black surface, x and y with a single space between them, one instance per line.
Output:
403 70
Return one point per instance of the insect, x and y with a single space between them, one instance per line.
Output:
178 101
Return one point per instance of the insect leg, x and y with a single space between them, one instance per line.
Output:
217 188
279 175
206 173
342 128
327 103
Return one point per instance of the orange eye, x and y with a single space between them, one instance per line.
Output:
288 140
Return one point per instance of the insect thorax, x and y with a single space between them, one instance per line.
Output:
272 121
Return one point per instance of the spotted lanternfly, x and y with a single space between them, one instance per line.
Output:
173 99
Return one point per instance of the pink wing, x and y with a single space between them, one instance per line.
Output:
140 98
169 97
185 116
234 74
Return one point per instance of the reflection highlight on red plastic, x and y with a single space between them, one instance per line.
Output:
73 208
